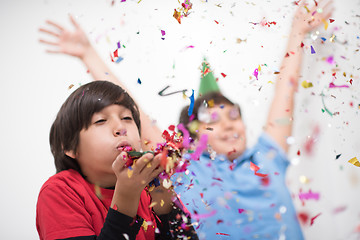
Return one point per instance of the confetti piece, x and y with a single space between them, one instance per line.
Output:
313 219
241 210
161 93
129 172
145 225
139 81
354 161
256 72
224 234
306 84
223 74
331 20
332 85
310 143
98 191
206 215
71 85
255 169
119 59
323 102
326 24
312 50
115 207
162 33
186 138
191 103
337 156
309 195
202 145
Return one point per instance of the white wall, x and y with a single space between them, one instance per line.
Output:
34 84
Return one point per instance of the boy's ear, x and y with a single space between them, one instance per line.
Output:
70 153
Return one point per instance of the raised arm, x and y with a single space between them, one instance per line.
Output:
75 43
280 118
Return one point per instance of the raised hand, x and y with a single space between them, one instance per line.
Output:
74 43
306 19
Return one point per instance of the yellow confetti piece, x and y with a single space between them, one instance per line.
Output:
326 24
145 225
129 172
354 161
152 204
148 165
304 179
211 103
151 188
162 203
306 84
98 191
270 82
307 9
259 68
332 38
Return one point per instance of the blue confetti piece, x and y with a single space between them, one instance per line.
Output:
324 39
139 81
312 50
191 107
119 59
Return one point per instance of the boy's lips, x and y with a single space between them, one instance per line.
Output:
124 146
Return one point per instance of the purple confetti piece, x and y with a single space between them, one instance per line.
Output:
312 50
118 45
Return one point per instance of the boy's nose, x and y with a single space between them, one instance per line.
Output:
121 132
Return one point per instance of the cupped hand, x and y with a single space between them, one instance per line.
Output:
74 43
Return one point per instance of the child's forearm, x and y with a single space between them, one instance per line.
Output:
280 118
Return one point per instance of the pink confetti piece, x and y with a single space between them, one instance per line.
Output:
330 60
332 85
205 215
186 138
162 32
256 73
202 145
241 210
309 195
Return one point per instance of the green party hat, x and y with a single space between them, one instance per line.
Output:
207 81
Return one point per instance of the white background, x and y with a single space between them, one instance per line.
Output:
34 84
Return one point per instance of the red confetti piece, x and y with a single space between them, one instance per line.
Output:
219 221
312 219
298 152
225 234
331 20
265 181
223 74
302 44
216 22
255 169
303 217
115 207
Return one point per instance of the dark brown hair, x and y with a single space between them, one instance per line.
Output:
217 97
76 113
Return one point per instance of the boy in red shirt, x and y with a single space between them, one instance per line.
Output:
94 195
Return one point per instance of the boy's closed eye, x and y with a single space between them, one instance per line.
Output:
100 121
127 118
